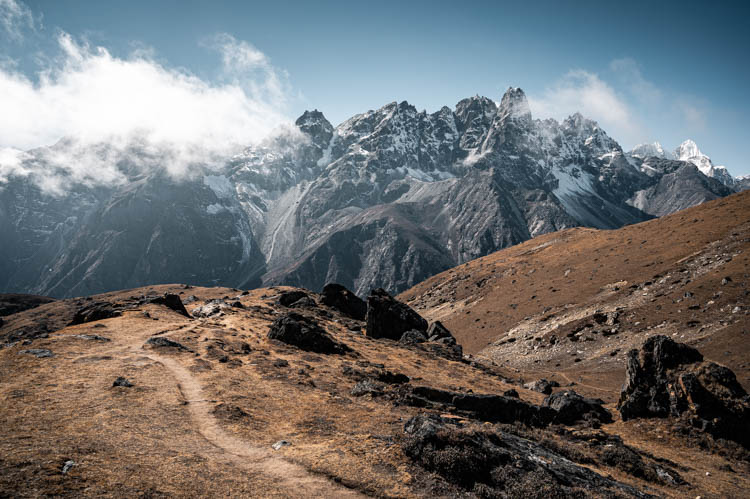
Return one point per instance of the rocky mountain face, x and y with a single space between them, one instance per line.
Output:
386 199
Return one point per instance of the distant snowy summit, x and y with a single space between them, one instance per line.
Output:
688 151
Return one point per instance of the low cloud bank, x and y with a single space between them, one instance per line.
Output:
89 113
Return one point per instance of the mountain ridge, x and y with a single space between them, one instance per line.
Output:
408 193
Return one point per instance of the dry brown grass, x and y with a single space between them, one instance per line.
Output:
157 439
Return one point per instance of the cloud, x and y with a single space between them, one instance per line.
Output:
693 117
245 65
148 115
15 17
585 92
629 74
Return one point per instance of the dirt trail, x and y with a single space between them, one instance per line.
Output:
295 480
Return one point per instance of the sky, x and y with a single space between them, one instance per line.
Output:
210 75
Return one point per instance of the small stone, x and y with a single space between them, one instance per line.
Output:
120 381
67 466
38 352
281 443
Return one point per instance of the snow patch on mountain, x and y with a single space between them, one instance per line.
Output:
220 184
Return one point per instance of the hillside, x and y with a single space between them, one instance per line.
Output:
178 391
684 275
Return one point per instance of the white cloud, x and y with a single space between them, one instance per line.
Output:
692 115
245 65
585 92
146 113
628 72
15 17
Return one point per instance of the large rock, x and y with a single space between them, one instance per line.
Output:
438 332
389 318
666 378
295 329
162 342
211 308
493 463
171 301
338 297
570 408
542 386
287 298
95 312
645 392
486 407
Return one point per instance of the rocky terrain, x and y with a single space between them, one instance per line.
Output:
578 300
623 387
385 199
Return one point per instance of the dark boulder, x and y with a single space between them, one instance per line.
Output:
171 301
162 342
412 337
304 302
542 386
288 297
486 407
645 392
120 381
295 329
438 332
95 312
389 318
570 408
492 463
338 297
669 379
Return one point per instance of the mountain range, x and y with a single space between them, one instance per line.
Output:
386 199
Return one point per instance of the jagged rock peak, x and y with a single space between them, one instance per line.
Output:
310 118
314 124
577 121
514 104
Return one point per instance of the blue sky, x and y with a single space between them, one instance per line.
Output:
646 71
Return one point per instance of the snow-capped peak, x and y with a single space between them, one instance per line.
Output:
654 149
688 151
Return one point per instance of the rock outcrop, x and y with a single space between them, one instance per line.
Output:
389 318
95 312
493 463
670 379
302 332
172 302
571 408
338 297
